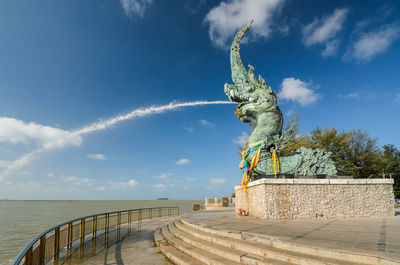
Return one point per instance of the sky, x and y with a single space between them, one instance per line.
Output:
123 99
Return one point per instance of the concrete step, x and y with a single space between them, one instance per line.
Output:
187 242
258 250
233 255
194 252
193 240
174 255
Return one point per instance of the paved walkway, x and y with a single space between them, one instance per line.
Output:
137 248
378 236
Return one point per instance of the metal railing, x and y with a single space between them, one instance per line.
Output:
60 241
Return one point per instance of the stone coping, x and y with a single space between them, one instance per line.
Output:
318 182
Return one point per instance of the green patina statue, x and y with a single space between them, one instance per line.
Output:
257 101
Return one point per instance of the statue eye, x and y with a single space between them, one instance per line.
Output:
249 88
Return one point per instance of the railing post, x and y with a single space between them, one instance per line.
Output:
94 234
56 243
118 226
82 237
150 213
28 257
69 235
82 232
159 212
106 226
94 228
139 219
169 211
129 221
42 250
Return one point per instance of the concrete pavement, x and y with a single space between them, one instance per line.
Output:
377 236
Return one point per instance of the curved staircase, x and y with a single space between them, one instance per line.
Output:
185 242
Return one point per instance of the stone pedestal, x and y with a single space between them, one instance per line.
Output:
316 198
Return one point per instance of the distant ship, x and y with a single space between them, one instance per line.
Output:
162 199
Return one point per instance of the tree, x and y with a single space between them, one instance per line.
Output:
338 143
354 153
295 143
364 155
390 165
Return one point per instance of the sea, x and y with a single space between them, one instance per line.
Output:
21 221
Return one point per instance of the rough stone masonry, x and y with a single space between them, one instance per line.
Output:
316 198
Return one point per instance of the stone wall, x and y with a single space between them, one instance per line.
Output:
316 198
213 203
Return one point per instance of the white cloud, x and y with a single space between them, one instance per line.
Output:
362 94
241 139
163 176
397 97
350 95
22 161
78 181
135 7
297 91
217 181
225 19
159 186
50 174
289 113
324 31
183 161
206 123
121 184
133 182
190 179
373 43
4 163
189 129
330 48
321 31
97 156
23 186
17 131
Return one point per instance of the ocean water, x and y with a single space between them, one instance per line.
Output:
21 221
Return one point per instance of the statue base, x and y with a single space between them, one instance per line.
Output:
291 198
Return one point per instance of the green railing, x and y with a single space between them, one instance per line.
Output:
59 242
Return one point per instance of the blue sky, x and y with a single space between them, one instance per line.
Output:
66 65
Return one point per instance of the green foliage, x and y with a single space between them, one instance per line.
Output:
354 153
295 143
396 190
363 155
390 165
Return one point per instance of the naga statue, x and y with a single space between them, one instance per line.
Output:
259 104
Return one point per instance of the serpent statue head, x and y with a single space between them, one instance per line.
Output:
252 94
257 101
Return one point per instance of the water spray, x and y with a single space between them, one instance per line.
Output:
141 112
105 124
